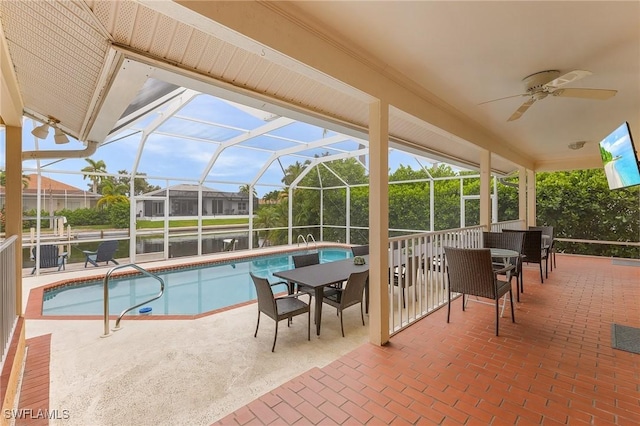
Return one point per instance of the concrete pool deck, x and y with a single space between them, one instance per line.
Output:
178 371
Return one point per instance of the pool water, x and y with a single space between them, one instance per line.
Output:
188 291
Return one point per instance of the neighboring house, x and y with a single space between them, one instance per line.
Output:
54 195
183 201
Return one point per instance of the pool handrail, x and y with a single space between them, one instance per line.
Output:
105 283
303 240
315 245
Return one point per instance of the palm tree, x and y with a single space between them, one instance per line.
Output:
94 167
268 217
293 171
271 197
244 189
113 193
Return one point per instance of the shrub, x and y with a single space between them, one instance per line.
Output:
119 215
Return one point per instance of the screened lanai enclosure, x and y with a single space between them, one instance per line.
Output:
180 155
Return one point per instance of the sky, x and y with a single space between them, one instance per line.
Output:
184 145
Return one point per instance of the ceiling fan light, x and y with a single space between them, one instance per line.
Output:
60 138
41 132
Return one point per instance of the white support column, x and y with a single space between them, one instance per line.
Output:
321 214
462 202
531 198
522 195
378 222
290 210
133 227
199 219
494 202
250 242
485 190
348 216
432 204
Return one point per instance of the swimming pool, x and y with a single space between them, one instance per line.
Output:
188 291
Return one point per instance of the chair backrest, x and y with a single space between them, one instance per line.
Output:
266 299
532 245
504 240
48 256
493 239
306 259
470 271
360 250
106 250
546 230
353 290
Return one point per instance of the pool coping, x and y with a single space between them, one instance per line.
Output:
33 310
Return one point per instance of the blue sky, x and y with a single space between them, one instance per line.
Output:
166 154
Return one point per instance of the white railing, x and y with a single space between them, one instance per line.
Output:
8 313
417 273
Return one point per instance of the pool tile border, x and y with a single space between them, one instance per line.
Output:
36 295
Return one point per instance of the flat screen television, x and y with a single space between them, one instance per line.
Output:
620 158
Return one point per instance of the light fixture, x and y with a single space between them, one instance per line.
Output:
60 138
576 145
41 132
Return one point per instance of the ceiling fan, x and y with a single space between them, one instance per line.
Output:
541 84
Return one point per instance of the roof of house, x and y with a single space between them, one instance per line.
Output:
51 186
186 189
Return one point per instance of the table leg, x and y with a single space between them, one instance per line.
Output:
318 315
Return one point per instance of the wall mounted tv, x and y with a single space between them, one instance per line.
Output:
620 158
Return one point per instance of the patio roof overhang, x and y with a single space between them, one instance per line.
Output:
225 52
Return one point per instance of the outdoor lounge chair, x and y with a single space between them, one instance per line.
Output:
471 272
279 308
50 257
105 252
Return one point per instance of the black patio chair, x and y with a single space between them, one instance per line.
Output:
470 272
360 250
104 253
533 251
50 257
510 241
548 242
279 308
302 260
350 295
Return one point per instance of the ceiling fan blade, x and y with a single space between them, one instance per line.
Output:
523 108
506 97
567 78
598 94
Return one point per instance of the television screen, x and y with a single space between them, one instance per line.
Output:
620 158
